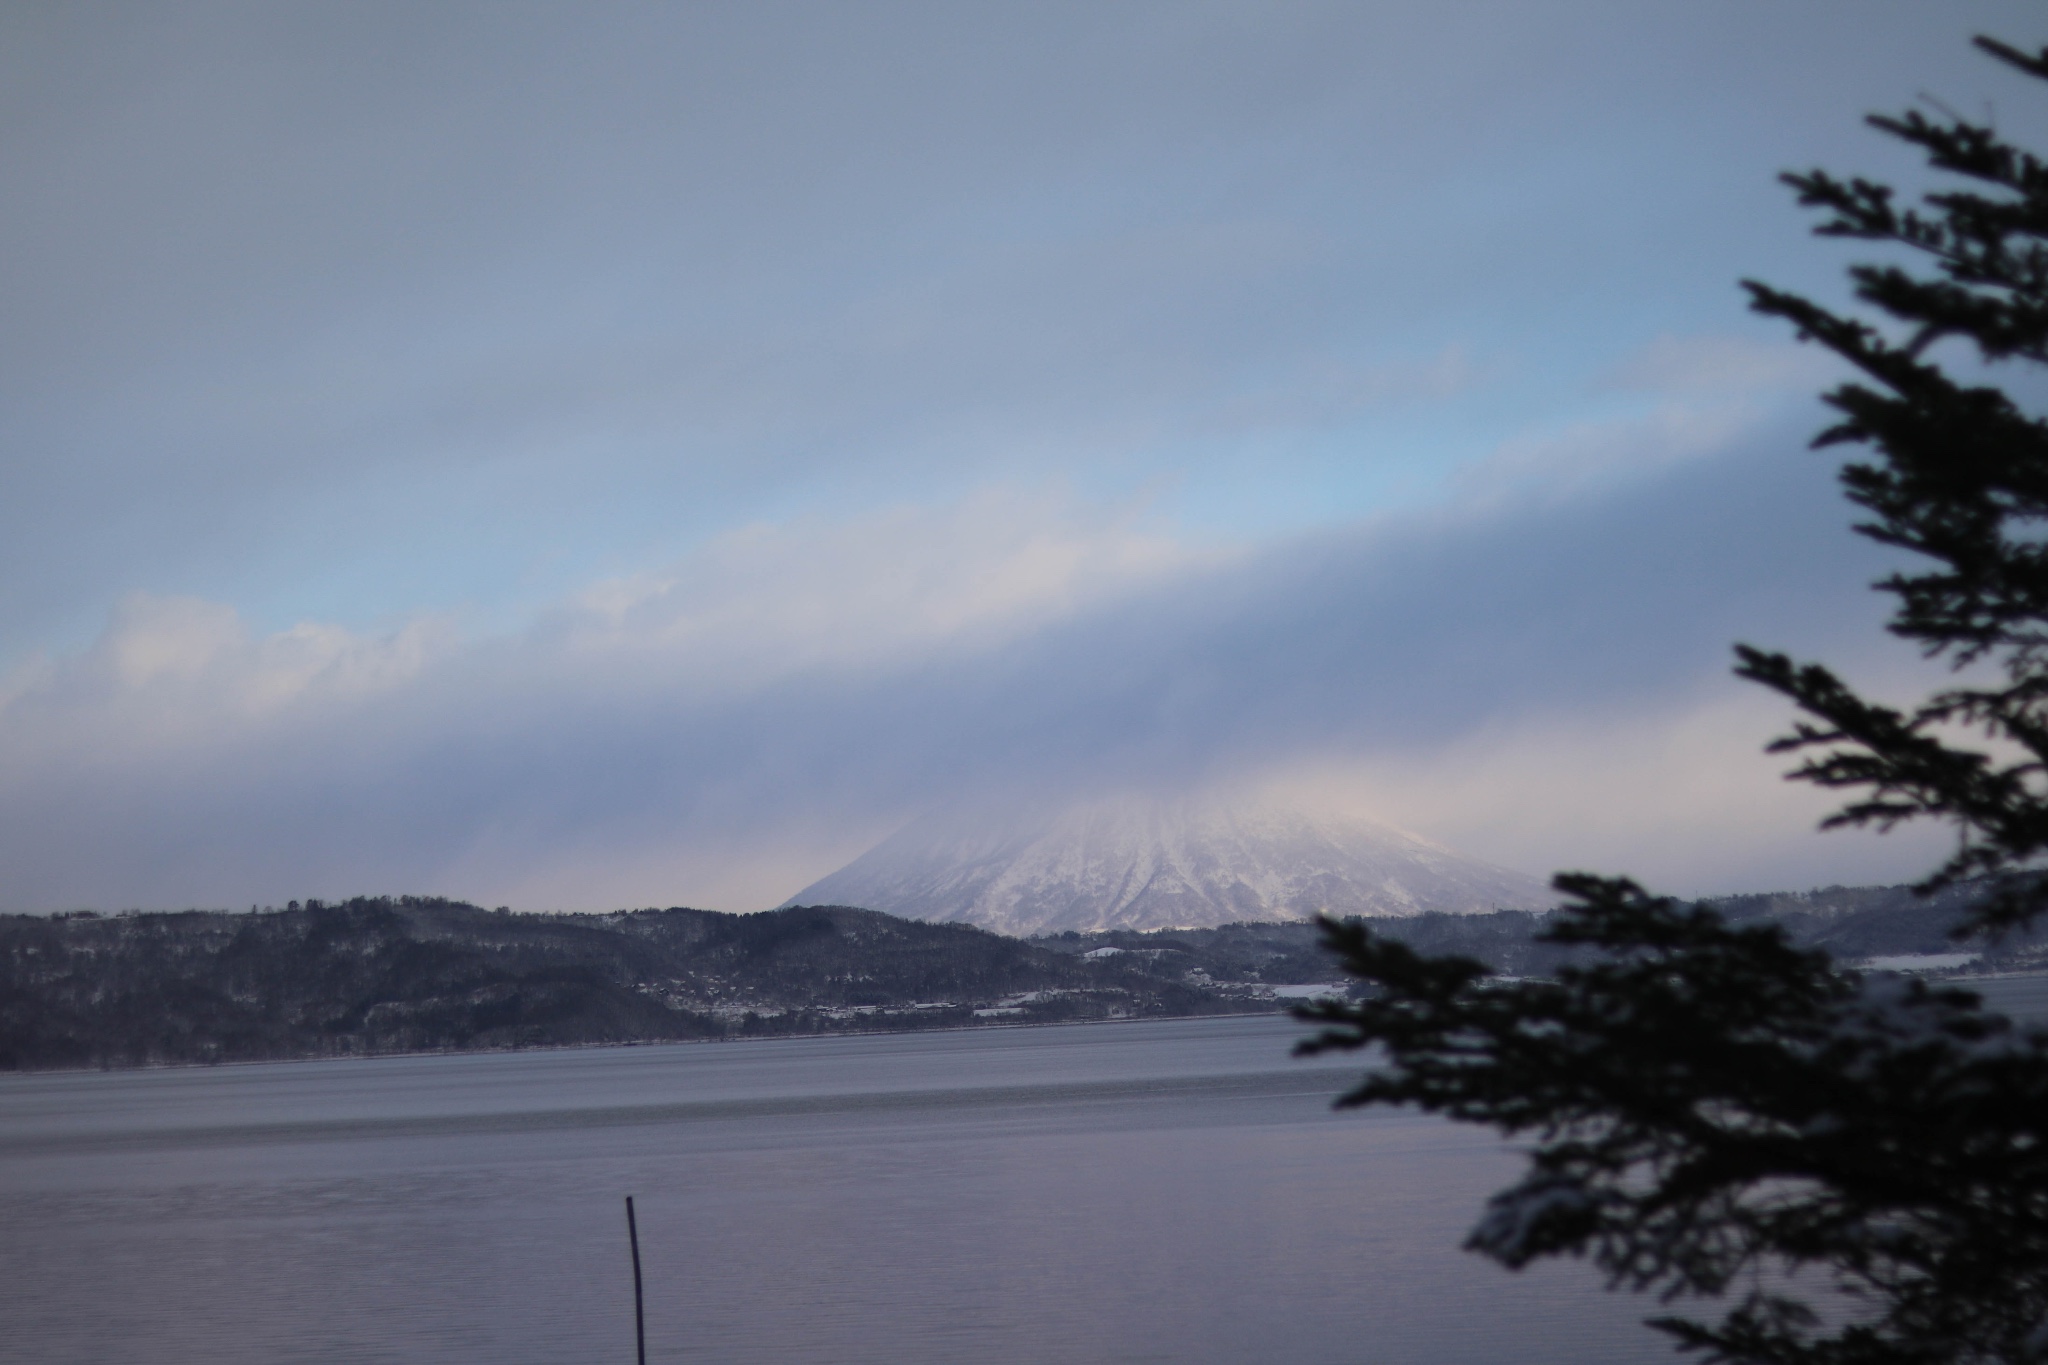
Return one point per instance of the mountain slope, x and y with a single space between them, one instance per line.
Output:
1133 863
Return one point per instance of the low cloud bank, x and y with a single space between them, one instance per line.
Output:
1541 681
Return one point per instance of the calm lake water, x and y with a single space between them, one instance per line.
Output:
1172 1191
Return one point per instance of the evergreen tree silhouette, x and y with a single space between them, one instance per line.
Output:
1805 1164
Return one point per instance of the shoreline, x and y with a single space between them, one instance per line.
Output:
7 1075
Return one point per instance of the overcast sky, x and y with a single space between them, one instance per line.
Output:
599 455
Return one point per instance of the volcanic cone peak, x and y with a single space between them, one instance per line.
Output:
1148 863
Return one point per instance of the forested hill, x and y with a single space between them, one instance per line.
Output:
415 974
418 974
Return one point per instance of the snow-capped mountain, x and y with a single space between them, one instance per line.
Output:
1136 863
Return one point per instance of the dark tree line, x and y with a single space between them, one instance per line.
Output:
419 974
411 974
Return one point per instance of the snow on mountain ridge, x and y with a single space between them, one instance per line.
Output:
1132 863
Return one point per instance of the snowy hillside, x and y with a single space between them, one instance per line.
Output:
1145 864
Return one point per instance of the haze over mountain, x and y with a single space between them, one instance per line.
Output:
1139 863
644 454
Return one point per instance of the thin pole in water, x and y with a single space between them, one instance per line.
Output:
639 1314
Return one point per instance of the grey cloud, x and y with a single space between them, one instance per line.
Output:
1404 638
356 312
357 308
1400 641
